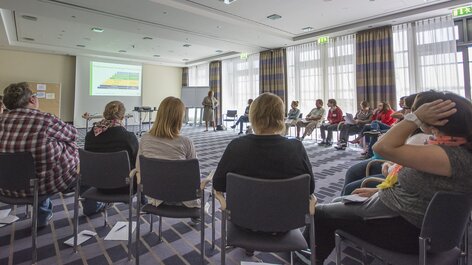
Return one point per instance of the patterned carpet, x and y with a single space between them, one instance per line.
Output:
181 240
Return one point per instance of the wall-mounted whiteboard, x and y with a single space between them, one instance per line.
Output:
192 96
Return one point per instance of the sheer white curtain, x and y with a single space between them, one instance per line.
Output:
341 62
426 57
240 82
199 75
323 71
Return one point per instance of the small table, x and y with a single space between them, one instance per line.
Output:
89 117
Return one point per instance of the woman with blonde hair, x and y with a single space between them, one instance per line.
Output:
209 104
292 116
164 140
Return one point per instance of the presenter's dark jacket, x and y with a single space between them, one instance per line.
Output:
263 156
114 139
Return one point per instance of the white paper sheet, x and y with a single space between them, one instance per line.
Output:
354 198
81 237
120 231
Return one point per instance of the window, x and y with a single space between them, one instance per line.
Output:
426 57
199 75
240 82
322 71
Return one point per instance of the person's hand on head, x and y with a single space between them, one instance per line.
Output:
436 113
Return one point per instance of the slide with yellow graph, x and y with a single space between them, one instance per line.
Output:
111 79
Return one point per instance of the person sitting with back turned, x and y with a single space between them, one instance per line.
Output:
266 153
164 141
292 116
312 120
391 217
335 116
52 142
109 135
243 118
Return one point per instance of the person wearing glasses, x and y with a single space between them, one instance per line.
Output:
51 141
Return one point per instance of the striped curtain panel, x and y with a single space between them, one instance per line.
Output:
185 76
273 73
215 85
375 73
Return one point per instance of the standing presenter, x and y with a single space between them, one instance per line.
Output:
209 104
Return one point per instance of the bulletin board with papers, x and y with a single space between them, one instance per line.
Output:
49 96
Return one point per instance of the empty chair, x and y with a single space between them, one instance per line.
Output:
172 182
231 115
443 226
18 173
102 172
268 217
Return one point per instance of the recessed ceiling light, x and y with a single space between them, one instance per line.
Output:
80 45
73 16
228 2
165 13
218 51
306 29
156 55
274 16
185 60
186 45
147 38
218 27
121 51
98 30
29 17
28 39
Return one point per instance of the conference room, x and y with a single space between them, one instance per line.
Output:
217 67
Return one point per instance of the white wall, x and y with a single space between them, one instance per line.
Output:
16 66
160 82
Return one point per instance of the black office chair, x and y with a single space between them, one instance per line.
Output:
268 216
231 115
443 226
171 181
104 171
18 173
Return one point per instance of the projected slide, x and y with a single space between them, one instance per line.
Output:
111 79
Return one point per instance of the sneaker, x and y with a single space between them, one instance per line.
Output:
249 252
46 222
232 126
372 132
195 221
323 143
327 144
340 147
304 256
240 133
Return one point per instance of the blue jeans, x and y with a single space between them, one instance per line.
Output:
241 121
44 210
356 173
379 126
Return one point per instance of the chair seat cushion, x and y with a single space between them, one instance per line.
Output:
96 194
21 200
172 211
244 238
393 257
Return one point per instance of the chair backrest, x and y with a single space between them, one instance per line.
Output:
231 113
445 220
16 171
267 205
170 180
104 170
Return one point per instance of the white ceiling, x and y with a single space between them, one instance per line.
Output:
207 25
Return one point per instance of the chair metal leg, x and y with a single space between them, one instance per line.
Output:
130 221
312 240
364 257
76 214
105 212
151 221
27 212
223 238
338 249
213 219
422 253
291 257
35 224
138 216
160 228
202 227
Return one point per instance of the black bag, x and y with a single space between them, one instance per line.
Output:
221 127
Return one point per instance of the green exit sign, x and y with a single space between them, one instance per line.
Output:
323 40
243 55
462 11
